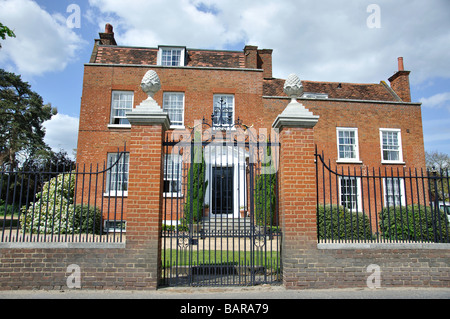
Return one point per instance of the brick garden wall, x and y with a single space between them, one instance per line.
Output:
348 267
126 268
37 268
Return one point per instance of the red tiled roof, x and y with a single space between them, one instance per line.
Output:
148 56
126 55
109 54
225 59
336 90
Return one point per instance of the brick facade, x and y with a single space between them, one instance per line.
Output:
97 138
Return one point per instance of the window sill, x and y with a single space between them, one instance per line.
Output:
116 194
172 195
348 161
393 163
119 126
224 128
177 127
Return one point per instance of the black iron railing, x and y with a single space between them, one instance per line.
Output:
69 204
384 205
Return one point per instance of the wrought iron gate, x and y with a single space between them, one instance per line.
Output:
220 224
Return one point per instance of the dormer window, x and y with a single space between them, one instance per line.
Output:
171 56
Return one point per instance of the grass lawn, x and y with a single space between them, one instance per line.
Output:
172 257
5 216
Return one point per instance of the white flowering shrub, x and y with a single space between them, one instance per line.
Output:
54 212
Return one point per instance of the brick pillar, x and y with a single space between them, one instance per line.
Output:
297 190
148 124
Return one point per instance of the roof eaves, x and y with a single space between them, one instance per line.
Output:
344 100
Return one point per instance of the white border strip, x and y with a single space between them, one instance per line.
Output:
42 245
392 246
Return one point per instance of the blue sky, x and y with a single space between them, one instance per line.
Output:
328 40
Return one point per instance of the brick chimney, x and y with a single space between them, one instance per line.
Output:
251 56
107 38
259 59
265 62
400 82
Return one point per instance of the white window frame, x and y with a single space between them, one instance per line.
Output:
114 169
216 99
445 207
112 123
388 193
166 106
163 49
357 206
356 145
173 171
400 151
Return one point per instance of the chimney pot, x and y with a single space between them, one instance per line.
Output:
108 28
400 64
107 37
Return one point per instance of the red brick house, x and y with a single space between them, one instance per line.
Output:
361 125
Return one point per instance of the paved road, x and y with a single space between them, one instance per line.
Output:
250 293
263 302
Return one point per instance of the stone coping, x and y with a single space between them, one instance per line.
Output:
389 246
66 245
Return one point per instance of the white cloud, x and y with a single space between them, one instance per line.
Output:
325 40
43 42
62 133
150 23
437 101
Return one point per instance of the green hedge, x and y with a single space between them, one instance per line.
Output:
337 222
87 220
414 223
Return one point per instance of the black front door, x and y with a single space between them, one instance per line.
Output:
222 190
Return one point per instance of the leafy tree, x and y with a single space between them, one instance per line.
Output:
437 160
22 114
49 161
265 193
195 200
438 164
30 178
5 31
